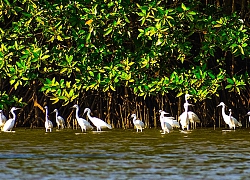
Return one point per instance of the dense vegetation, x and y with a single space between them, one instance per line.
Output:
121 57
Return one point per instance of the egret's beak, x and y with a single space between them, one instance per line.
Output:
52 112
247 114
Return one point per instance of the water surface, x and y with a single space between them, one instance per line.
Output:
125 154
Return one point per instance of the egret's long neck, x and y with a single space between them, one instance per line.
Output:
223 111
56 114
186 99
88 114
134 118
46 113
13 114
77 111
185 108
161 117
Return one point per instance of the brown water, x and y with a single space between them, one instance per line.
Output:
125 154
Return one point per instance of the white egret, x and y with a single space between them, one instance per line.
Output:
59 120
184 117
229 119
98 123
82 122
3 119
248 114
193 118
165 126
11 122
48 123
186 97
137 123
174 123
230 113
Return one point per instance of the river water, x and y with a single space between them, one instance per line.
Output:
125 154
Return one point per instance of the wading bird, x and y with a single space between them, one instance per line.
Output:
193 118
229 119
59 120
184 117
11 122
230 113
174 123
248 114
186 97
82 122
48 123
137 123
165 125
3 119
98 123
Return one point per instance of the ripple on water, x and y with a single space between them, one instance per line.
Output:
125 154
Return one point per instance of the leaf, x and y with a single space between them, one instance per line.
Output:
230 81
217 25
45 57
111 87
179 94
241 49
159 41
51 39
59 38
88 37
183 7
89 22
141 30
63 70
229 86
107 31
54 99
91 73
192 13
27 14
12 81
158 25
211 75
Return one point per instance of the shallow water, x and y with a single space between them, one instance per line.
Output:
125 154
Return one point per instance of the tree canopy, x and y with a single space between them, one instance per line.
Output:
120 57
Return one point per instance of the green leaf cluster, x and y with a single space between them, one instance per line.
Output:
69 47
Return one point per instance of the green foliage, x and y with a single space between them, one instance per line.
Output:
6 100
71 47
